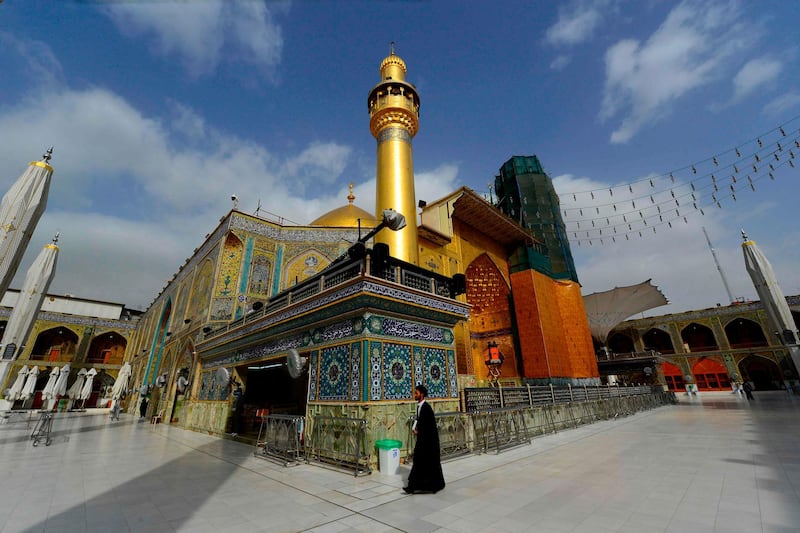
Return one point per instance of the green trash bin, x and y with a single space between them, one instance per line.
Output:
388 456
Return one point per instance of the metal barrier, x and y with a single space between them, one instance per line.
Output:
340 442
280 438
489 398
510 426
455 435
500 429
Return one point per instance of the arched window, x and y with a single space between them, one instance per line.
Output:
699 338
620 343
658 340
744 333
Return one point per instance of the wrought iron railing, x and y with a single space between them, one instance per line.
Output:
342 271
500 429
488 398
280 437
340 442
455 435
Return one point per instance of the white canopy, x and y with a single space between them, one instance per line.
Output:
30 383
20 211
772 298
605 310
47 392
60 388
74 391
14 392
87 386
122 382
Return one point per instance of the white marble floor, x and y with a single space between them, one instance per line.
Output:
713 464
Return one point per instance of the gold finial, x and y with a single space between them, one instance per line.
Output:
391 48
351 196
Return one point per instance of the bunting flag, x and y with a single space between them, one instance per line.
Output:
658 200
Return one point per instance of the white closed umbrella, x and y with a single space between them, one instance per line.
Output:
61 384
772 298
121 384
47 392
28 304
86 391
74 391
30 383
15 390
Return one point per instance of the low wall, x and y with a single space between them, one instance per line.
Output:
206 416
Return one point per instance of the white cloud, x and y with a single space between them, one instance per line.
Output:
32 59
689 50
754 74
783 103
319 163
210 32
561 62
125 182
576 23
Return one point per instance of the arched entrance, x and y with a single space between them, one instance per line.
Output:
699 338
57 345
710 375
620 343
490 318
107 348
658 340
744 333
673 377
763 372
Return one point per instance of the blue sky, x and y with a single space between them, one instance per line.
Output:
159 111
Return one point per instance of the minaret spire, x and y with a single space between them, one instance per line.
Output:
393 106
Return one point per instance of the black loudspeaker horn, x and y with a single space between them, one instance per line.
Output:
459 284
380 254
357 251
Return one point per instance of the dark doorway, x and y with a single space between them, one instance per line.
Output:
765 374
744 333
658 340
268 385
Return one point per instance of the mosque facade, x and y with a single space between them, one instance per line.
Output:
77 331
370 318
712 348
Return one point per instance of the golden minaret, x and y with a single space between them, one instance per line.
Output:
394 120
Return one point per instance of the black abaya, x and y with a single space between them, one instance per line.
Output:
426 471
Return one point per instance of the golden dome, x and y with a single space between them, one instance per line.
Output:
347 216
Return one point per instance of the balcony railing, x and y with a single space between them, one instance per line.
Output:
344 270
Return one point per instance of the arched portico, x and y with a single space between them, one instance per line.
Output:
699 338
762 371
710 375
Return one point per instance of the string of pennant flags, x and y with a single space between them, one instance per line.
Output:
642 207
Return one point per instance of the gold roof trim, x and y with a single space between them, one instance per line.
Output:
42 164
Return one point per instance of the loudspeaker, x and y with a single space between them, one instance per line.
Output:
459 284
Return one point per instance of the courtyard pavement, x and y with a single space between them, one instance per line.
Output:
716 463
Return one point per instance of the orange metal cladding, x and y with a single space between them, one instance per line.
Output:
553 330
